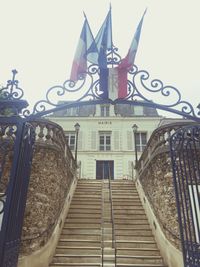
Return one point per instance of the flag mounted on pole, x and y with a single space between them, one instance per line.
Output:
79 65
128 62
97 53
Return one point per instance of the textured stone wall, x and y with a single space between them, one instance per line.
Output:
49 184
53 170
157 182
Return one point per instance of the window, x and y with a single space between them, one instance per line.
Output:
105 110
105 141
71 139
74 111
141 141
138 111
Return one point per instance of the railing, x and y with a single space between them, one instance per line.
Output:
112 218
155 175
50 133
158 143
102 224
50 138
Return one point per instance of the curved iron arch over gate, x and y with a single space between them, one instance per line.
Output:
88 85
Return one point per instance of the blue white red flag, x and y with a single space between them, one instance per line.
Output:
79 66
128 62
97 53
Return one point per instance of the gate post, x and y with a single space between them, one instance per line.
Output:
16 147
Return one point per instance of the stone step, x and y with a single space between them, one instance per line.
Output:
84 220
128 208
135 244
75 264
130 221
126 201
62 258
139 259
88 189
82 225
128 212
124 192
140 265
87 197
78 250
130 216
127 204
123 187
144 226
86 201
81 231
81 237
125 197
134 238
83 215
89 206
138 251
84 211
79 243
134 232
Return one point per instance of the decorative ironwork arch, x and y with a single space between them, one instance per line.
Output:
12 105
139 86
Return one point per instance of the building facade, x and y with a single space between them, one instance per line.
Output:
106 144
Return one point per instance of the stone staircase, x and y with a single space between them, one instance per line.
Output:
135 243
106 226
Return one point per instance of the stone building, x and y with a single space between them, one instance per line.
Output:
106 139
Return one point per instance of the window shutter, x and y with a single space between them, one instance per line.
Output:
93 140
129 140
116 140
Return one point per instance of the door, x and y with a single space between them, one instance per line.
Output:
104 169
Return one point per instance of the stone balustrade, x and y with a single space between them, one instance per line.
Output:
154 172
53 171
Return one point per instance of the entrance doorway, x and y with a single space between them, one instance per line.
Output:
104 169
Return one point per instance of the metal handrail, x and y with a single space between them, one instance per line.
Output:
102 223
112 218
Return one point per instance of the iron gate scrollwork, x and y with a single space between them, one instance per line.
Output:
17 140
185 155
16 147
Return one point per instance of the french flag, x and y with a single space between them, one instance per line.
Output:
97 53
127 63
79 66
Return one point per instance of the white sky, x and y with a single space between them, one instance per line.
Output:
39 38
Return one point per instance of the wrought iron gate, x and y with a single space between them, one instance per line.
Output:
17 139
185 155
16 147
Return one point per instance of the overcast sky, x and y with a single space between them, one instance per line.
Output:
39 38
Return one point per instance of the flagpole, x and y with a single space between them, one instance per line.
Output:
111 33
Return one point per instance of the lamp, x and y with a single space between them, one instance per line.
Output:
77 128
